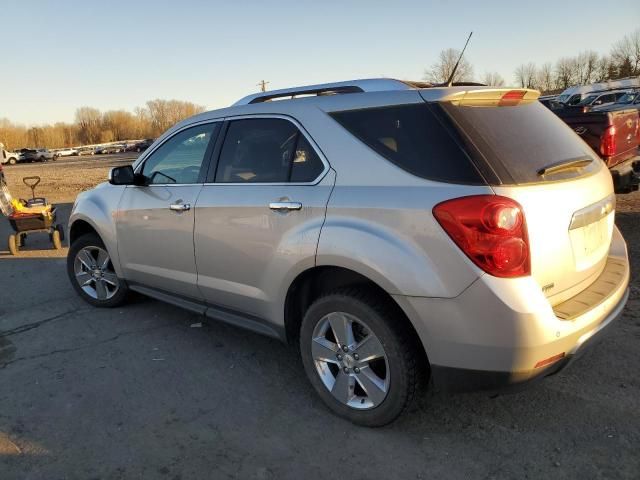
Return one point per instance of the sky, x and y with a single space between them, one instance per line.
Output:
56 56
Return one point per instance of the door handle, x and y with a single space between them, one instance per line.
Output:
285 206
179 207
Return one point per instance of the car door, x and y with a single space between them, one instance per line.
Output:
155 221
258 218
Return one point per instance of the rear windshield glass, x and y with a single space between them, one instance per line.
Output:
414 138
518 141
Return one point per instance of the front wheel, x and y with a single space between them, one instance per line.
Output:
12 161
92 275
359 356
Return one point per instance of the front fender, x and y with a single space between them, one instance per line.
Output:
98 208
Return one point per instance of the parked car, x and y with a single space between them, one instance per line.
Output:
9 158
615 135
550 101
629 100
35 155
575 94
599 99
140 146
462 233
110 149
86 151
65 152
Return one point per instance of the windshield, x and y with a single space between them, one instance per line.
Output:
575 99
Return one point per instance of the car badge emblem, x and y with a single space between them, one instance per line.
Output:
580 130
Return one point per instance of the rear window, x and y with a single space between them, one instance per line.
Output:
518 141
415 138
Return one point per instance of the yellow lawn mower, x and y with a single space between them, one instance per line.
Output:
29 216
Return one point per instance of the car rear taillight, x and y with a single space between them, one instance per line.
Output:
491 230
608 142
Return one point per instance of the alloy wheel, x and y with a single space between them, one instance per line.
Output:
350 360
95 274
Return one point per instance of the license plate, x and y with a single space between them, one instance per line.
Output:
590 243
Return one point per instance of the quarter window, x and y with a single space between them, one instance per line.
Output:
266 150
181 158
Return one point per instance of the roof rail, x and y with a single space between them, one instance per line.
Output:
351 86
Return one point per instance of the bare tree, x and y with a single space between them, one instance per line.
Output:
120 123
493 79
626 53
165 113
545 80
441 70
526 75
89 122
565 72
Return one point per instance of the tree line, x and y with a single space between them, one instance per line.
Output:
92 126
587 67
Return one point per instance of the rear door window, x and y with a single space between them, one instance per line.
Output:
267 150
414 138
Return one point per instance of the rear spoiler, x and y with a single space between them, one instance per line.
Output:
492 97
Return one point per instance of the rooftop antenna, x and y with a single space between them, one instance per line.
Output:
455 68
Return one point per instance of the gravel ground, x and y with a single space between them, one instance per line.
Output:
142 392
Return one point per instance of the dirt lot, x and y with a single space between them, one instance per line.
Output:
138 392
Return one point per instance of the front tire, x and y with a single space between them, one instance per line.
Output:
92 274
359 356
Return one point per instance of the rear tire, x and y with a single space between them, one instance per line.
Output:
381 369
56 240
86 260
12 161
13 245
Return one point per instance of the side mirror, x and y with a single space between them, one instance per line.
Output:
125 176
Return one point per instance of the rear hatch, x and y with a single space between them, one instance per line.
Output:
594 126
528 154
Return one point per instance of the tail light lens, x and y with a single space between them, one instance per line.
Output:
491 230
512 97
608 142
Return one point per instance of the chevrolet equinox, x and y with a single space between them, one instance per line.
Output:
396 232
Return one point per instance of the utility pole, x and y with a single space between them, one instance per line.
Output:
263 85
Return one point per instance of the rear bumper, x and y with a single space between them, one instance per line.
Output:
626 176
453 379
499 332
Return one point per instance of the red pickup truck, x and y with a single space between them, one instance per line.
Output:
615 135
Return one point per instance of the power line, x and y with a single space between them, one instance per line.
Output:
263 85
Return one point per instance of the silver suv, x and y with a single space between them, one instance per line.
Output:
396 232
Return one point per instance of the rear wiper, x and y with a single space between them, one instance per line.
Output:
565 165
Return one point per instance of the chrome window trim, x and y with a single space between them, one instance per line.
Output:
302 130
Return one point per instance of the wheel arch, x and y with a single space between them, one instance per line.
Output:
79 228
94 213
313 282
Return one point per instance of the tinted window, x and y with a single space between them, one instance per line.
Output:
266 150
518 141
306 164
180 159
414 138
